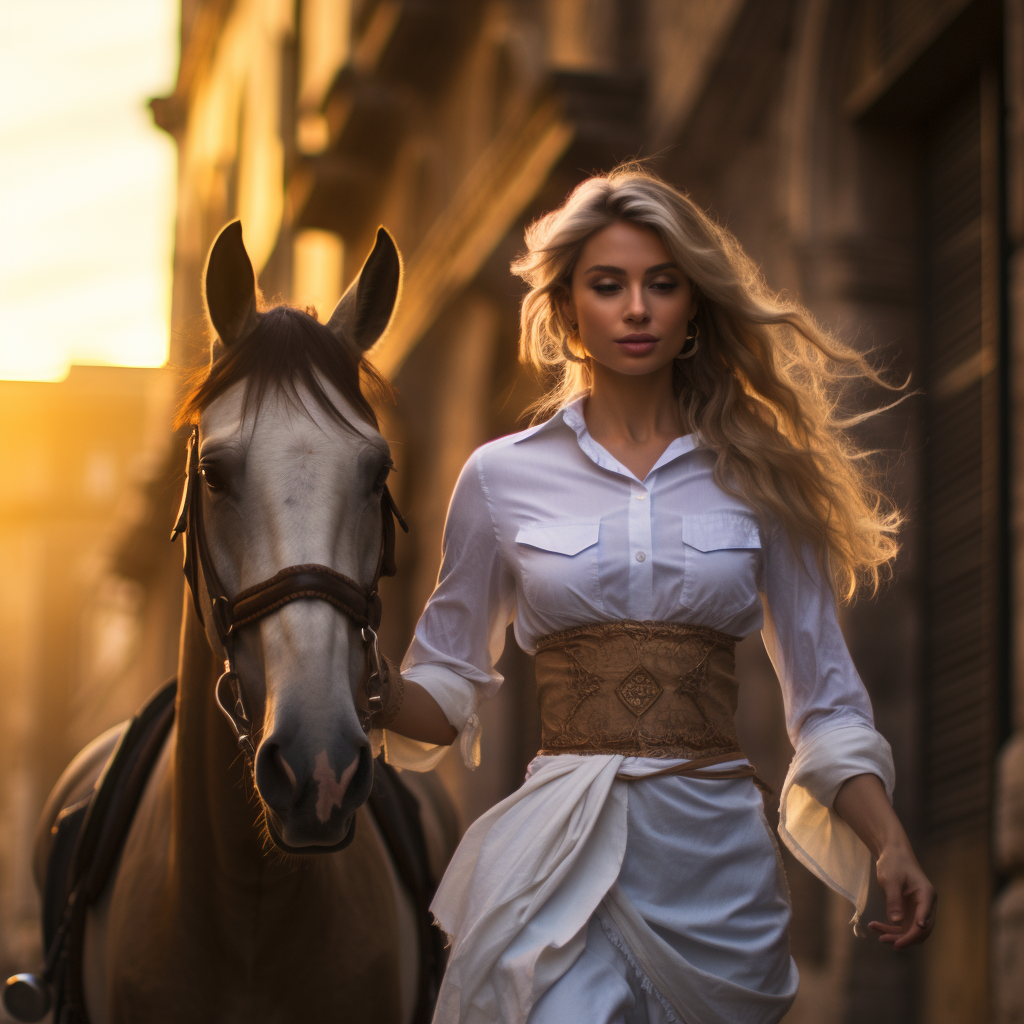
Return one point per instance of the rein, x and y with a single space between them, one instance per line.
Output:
293 583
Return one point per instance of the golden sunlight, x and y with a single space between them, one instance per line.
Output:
87 202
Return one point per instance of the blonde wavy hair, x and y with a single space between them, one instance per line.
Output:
764 391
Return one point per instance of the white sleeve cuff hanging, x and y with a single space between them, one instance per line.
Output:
808 825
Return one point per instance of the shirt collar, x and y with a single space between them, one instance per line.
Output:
572 416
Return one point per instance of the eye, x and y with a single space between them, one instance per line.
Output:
606 287
214 478
664 285
382 476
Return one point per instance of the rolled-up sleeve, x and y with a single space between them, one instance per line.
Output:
828 716
461 633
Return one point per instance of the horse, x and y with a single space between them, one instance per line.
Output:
253 883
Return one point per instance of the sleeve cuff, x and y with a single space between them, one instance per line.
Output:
457 699
455 695
816 835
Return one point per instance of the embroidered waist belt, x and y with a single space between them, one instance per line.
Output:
641 689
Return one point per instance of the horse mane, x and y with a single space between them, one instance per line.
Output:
288 347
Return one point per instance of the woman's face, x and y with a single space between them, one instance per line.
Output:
631 301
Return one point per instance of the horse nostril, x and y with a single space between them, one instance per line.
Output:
275 777
285 767
364 774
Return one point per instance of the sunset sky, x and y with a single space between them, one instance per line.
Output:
86 184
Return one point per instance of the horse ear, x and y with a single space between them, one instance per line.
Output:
363 313
229 286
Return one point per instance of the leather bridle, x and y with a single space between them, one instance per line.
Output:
296 582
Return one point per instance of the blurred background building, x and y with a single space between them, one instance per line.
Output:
869 154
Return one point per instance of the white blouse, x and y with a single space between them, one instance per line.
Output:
547 529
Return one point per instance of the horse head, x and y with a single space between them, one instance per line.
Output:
290 473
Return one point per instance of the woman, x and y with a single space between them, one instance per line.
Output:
692 484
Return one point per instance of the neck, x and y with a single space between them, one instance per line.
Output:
214 815
632 408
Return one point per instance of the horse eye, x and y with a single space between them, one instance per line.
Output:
213 478
382 476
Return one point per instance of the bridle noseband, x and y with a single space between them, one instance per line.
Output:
296 582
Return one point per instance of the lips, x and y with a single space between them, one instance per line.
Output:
637 344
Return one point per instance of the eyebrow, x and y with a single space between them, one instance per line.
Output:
228 447
379 447
606 269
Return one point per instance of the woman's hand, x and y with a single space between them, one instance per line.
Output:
909 896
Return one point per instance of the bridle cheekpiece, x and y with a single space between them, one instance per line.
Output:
296 582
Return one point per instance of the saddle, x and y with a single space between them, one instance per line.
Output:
88 837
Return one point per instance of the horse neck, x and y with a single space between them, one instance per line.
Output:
214 814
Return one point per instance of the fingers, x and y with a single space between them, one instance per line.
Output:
915 933
898 935
884 929
909 898
922 918
890 933
926 906
892 885
915 919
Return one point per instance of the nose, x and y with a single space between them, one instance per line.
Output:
637 308
311 795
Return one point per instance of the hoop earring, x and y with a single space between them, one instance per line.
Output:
569 355
695 338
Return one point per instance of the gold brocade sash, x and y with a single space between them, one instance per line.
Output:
641 689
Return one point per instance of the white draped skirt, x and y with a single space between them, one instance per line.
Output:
662 899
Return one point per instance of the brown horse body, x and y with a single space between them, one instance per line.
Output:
205 919
203 922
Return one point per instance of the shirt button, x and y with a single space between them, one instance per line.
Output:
640 556
641 496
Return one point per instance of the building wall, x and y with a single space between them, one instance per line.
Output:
1008 930
72 457
828 125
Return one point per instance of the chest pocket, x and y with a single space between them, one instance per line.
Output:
721 555
558 564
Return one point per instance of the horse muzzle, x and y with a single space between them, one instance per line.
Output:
310 801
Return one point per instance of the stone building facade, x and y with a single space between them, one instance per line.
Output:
70 628
868 153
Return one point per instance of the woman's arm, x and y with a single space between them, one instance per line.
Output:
909 897
842 765
421 718
449 667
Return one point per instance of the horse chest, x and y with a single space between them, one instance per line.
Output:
274 940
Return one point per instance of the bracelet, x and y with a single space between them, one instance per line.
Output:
395 689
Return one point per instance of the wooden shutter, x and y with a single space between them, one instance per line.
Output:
963 513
